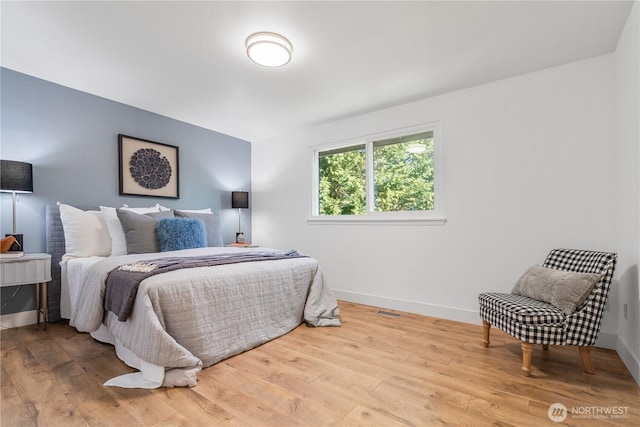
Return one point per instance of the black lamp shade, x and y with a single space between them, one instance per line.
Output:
16 176
239 199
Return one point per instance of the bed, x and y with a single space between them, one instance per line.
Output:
188 318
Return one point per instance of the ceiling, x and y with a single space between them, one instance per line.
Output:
187 60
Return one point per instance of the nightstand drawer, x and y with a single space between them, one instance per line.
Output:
29 269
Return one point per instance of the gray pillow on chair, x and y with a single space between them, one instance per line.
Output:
566 290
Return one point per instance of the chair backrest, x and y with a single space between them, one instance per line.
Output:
582 326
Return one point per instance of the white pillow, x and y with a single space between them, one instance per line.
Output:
151 209
207 210
118 241
85 232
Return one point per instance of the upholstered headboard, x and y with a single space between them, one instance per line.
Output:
54 245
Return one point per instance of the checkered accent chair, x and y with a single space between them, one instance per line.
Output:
537 322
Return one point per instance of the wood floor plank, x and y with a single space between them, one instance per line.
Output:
241 406
94 412
147 406
308 359
335 382
299 401
415 408
366 417
9 393
374 370
61 414
201 410
18 415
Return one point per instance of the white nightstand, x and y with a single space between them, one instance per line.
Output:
26 270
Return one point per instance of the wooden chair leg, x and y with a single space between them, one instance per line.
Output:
527 350
486 326
585 358
545 347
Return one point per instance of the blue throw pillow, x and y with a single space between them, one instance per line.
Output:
181 233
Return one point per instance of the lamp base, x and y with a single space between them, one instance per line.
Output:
17 245
240 237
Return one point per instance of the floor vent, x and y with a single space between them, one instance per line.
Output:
388 313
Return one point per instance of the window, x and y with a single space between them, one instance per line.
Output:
342 181
387 177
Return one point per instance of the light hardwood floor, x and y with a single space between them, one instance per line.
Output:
375 370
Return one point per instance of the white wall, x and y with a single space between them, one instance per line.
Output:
628 184
529 165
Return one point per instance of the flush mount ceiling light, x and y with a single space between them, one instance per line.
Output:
269 49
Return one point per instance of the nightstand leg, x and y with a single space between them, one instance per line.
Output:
38 304
41 303
44 304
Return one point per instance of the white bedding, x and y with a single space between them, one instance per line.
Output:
195 317
74 271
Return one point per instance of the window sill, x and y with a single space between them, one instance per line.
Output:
374 220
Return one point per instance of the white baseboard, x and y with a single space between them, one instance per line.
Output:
440 311
630 360
15 320
605 340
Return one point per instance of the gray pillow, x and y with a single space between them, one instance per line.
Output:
211 224
140 230
566 290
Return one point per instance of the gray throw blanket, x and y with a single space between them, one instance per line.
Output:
122 283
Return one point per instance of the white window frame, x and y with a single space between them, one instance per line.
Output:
431 217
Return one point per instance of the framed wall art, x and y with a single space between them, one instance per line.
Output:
148 168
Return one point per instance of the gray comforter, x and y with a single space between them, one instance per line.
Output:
122 283
199 316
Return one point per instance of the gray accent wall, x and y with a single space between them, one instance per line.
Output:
71 138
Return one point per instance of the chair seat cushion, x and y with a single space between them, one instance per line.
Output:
521 309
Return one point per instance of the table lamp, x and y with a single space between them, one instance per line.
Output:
239 200
16 177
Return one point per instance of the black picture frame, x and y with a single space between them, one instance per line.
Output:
148 168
